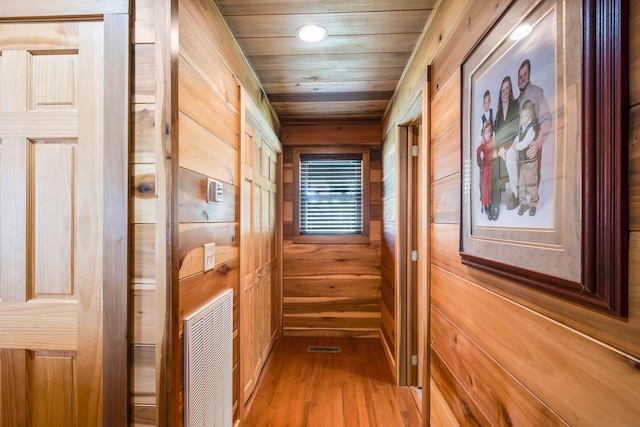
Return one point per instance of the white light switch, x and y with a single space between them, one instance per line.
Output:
209 256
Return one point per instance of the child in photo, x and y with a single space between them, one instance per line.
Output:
485 153
527 159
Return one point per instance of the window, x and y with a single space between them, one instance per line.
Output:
331 201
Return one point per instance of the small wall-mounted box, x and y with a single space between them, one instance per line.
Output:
214 191
209 256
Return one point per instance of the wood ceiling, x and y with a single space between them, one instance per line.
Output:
351 75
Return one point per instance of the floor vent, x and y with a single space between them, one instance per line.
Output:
316 349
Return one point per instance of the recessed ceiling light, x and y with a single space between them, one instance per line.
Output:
311 33
521 31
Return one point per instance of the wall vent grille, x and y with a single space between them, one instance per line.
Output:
208 338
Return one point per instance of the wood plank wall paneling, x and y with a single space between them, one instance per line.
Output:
389 235
143 193
388 298
341 295
504 400
445 200
208 148
209 113
144 88
572 365
441 415
204 152
465 410
210 75
211 68
143 121
193 205
445 147
211 23
332 134
143 215
205 105
566 370
343 298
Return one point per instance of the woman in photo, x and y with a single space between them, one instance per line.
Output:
506 128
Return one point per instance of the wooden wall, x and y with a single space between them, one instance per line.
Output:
187 111
388 246
209 145
502 353
146 198
332 289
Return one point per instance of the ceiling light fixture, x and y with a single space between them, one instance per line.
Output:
311 33
521 31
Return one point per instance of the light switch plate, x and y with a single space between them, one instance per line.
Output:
209 256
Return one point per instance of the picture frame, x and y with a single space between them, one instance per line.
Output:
544 151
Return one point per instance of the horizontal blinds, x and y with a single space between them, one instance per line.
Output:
330 196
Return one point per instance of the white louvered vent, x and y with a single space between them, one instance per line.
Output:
208 364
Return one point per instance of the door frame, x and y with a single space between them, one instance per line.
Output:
409 135
417 112
115 17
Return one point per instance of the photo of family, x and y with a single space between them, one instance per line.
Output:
536 146
512 135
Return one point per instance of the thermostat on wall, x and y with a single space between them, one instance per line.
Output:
214 191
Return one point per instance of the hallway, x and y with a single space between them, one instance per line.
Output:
351 388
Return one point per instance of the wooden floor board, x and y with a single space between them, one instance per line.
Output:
352 388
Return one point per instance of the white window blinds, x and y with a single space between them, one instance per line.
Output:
330 195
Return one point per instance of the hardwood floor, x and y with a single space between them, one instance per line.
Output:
351 388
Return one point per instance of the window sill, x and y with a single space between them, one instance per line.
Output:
335 239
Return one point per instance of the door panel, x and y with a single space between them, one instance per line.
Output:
258 249
51 192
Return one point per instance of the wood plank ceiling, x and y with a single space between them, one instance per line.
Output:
351 75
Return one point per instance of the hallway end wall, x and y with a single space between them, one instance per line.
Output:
332 289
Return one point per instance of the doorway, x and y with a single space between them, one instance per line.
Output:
411 360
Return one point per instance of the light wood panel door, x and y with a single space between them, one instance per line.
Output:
51 216
259 257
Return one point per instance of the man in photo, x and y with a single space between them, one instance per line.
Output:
534 94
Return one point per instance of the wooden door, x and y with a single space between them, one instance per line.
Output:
51 216
248 265
258 257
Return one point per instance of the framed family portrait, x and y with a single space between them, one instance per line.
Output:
544 150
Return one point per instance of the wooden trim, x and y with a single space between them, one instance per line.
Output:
257 120
168 354
347 239
424 231
116 211
605 227
335 239
47 9
280 243
174 408
400 256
